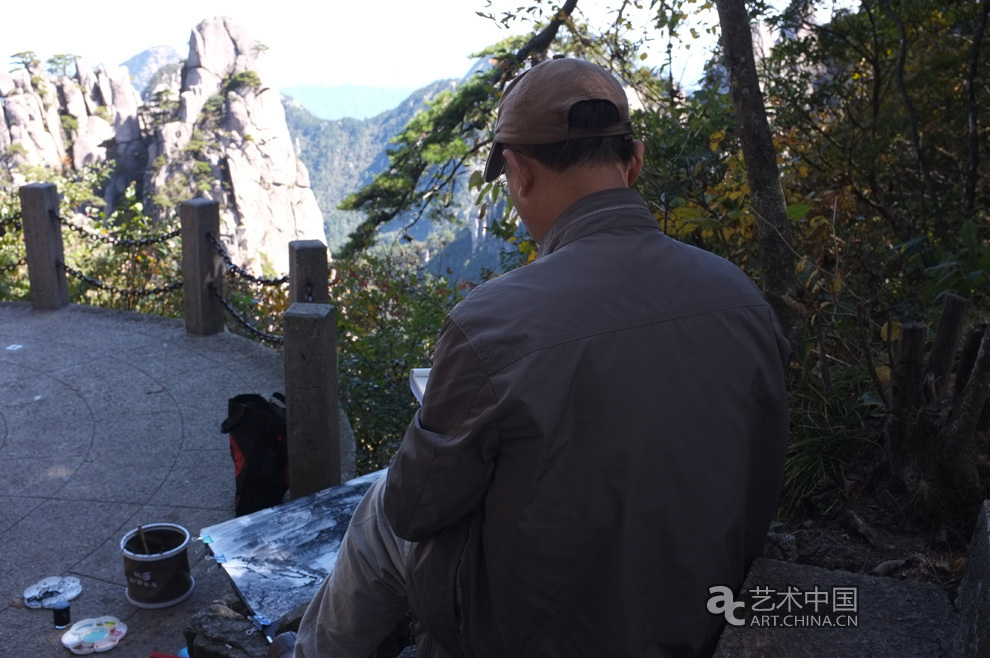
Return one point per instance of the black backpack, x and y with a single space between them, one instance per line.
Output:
257 446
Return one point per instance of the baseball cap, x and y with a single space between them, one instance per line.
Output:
535 106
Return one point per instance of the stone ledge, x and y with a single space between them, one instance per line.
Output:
895 618
973 601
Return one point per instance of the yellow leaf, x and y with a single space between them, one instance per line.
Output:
835 285
890 332
716 139
883 375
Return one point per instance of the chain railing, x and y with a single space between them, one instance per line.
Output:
14 220
274 339
92 234
234 269
240 272
4 269
114 240
129 292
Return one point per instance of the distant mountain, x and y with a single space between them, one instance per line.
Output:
346 101
343 155
146 64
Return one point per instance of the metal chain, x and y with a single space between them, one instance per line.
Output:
13 266
240 272
14 220
131 292
113 239
258 333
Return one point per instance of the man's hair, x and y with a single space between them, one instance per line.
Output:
561 156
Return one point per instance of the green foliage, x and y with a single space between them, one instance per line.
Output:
213 107
244 79
197 142
103 112
149 266
128 267
16 149
69 124
13 282
26 59
175 191
437 147
389 315
61 64
261 306
434 144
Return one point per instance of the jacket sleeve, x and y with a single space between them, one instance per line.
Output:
445 462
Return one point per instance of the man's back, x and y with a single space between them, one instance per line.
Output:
636 390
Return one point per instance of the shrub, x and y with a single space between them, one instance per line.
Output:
389 313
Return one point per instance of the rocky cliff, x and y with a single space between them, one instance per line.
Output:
227 139
219 133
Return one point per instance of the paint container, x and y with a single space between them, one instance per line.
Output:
156 565
62 614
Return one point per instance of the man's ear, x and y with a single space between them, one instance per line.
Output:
636 166
522 172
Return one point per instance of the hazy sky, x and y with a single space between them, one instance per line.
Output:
390 43
393 43
403 44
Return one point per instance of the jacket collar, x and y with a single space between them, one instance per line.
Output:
594 213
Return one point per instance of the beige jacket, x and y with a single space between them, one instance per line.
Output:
602 440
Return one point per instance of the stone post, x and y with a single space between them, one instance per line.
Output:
201 266
316 457
43 244
308 281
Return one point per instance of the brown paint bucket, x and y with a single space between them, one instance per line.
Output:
156 565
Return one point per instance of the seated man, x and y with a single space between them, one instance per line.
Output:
603 434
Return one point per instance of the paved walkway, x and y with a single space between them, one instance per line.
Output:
109 420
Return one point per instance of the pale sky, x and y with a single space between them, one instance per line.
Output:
402 44
389 43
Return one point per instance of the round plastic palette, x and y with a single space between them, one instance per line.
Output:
94 635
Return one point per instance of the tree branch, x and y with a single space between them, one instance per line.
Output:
913 117
974 140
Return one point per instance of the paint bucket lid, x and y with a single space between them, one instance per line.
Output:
49 591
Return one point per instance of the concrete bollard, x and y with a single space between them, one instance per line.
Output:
308 281
316 458
201 266
43 244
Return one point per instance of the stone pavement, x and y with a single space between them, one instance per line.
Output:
110 420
